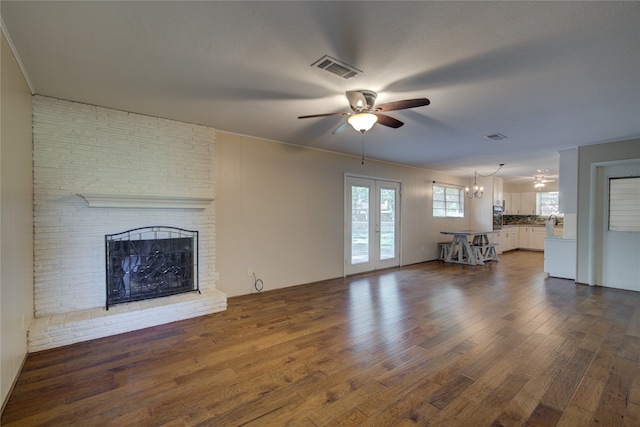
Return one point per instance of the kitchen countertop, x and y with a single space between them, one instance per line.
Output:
529 225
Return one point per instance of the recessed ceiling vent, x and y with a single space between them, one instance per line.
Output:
336 67
496 137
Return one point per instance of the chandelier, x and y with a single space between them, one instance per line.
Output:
477 190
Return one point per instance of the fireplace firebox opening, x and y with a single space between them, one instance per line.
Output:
150 262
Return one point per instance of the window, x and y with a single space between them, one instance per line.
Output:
547 203
624 204
448 201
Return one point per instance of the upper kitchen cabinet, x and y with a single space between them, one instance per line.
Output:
498 192
521 203
527 203
508 206
515 204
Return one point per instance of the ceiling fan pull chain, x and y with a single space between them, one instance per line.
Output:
363 147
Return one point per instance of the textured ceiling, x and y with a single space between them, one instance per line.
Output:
548 75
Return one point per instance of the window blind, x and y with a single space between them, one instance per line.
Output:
624 204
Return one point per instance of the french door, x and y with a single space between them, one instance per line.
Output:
372 224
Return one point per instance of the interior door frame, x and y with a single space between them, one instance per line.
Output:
601 172
347 217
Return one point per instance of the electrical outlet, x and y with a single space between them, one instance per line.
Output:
249 272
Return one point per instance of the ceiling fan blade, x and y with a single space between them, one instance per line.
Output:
389 121
323 115
403 105
341 128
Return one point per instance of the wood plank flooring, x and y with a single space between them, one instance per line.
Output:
430 344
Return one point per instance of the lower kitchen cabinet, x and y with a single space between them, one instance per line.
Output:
509 238
531 238
525 237
497 239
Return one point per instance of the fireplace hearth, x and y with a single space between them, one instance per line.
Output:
150 262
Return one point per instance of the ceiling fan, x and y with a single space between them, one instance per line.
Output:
539 181
365 114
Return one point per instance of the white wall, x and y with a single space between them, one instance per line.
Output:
280 212
481 210
568 187
80 148
568 181
16 241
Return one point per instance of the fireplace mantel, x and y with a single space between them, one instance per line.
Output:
140 201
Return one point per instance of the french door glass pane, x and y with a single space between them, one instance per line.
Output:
360 217
387 223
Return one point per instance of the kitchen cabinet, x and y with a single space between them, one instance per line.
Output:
507 203
509 238
525 237
498 193
515 203
496 238
521 203
528 203
515 240
560 257
531 238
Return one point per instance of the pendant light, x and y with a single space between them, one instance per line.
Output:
477 190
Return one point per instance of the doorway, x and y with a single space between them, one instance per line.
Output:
372 224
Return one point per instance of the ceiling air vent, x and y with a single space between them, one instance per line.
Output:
496 137
336 67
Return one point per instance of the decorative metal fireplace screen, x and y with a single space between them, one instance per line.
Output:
151 262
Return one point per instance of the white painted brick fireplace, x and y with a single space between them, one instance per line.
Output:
81 150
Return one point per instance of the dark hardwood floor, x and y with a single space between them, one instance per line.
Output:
430 344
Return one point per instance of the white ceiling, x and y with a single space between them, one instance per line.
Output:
548 75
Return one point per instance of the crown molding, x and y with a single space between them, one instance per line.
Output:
16 56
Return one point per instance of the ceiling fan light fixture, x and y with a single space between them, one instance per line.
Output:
362 122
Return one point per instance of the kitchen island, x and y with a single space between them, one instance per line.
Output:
560 257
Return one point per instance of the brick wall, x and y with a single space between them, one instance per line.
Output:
81 148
